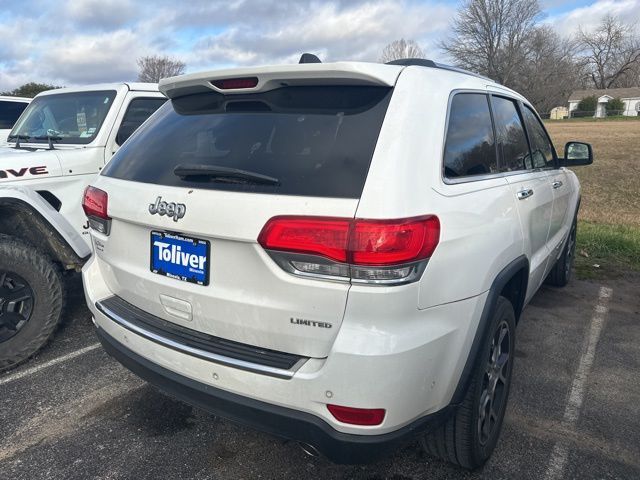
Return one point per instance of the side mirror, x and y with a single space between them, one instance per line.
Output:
577 153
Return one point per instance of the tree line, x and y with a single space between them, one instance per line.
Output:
506 41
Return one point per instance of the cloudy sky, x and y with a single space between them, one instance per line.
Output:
89 41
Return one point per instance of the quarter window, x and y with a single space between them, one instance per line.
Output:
513 148
469 146
137 112
541 148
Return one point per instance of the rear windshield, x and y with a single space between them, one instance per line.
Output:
316 141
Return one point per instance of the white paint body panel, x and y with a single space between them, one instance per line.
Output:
70 168
401 348
55 218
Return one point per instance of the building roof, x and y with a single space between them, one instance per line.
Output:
632 92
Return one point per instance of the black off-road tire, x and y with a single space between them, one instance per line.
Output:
560 274
44 279
459 439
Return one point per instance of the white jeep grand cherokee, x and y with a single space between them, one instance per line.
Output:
335 253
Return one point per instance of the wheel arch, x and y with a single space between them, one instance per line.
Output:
511 283
21 220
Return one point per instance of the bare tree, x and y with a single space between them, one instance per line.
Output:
155 68
399 49
550 71
491 37
611 52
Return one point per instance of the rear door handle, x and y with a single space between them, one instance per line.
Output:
526 193
556 184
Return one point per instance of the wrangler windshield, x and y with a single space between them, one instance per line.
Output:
64 117
316 141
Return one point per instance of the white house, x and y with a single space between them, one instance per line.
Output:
629 96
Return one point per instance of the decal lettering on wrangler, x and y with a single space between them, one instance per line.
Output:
170 209
10 172
309 323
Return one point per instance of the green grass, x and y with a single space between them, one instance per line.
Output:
616 118
613 248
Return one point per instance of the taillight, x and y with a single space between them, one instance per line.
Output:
327 237
94 204
235 83
360 250
357 416
392 242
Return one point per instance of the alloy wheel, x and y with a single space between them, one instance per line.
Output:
16 304
571 249
494 383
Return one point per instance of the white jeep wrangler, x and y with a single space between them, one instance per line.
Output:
58 145
336 253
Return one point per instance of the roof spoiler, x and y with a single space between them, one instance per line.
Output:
261 79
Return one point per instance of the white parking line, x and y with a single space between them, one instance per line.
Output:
560 451
55 361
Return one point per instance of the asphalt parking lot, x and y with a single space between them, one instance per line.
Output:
574 409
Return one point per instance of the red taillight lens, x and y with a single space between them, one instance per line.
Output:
393 242
358 242
235 83
327 237
357 416
94 202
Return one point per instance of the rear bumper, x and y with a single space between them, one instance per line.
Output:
280 421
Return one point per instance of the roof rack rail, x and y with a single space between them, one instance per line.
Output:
309 58
423 62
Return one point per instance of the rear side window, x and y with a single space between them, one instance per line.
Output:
9 113
315 140
137 112
469 147
542 154
512 142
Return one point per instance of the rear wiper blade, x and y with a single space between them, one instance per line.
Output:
217 172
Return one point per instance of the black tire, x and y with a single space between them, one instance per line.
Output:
461 439
25 269
560 274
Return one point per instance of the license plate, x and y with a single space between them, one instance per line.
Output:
180 257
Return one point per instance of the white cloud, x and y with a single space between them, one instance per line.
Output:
589 16
351 33
100 40
77 42
107 57
99 14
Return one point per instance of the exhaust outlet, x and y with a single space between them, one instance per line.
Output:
309 449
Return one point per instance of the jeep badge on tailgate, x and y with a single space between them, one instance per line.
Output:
170 209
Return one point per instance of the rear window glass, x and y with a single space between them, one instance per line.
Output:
316 141
470 148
